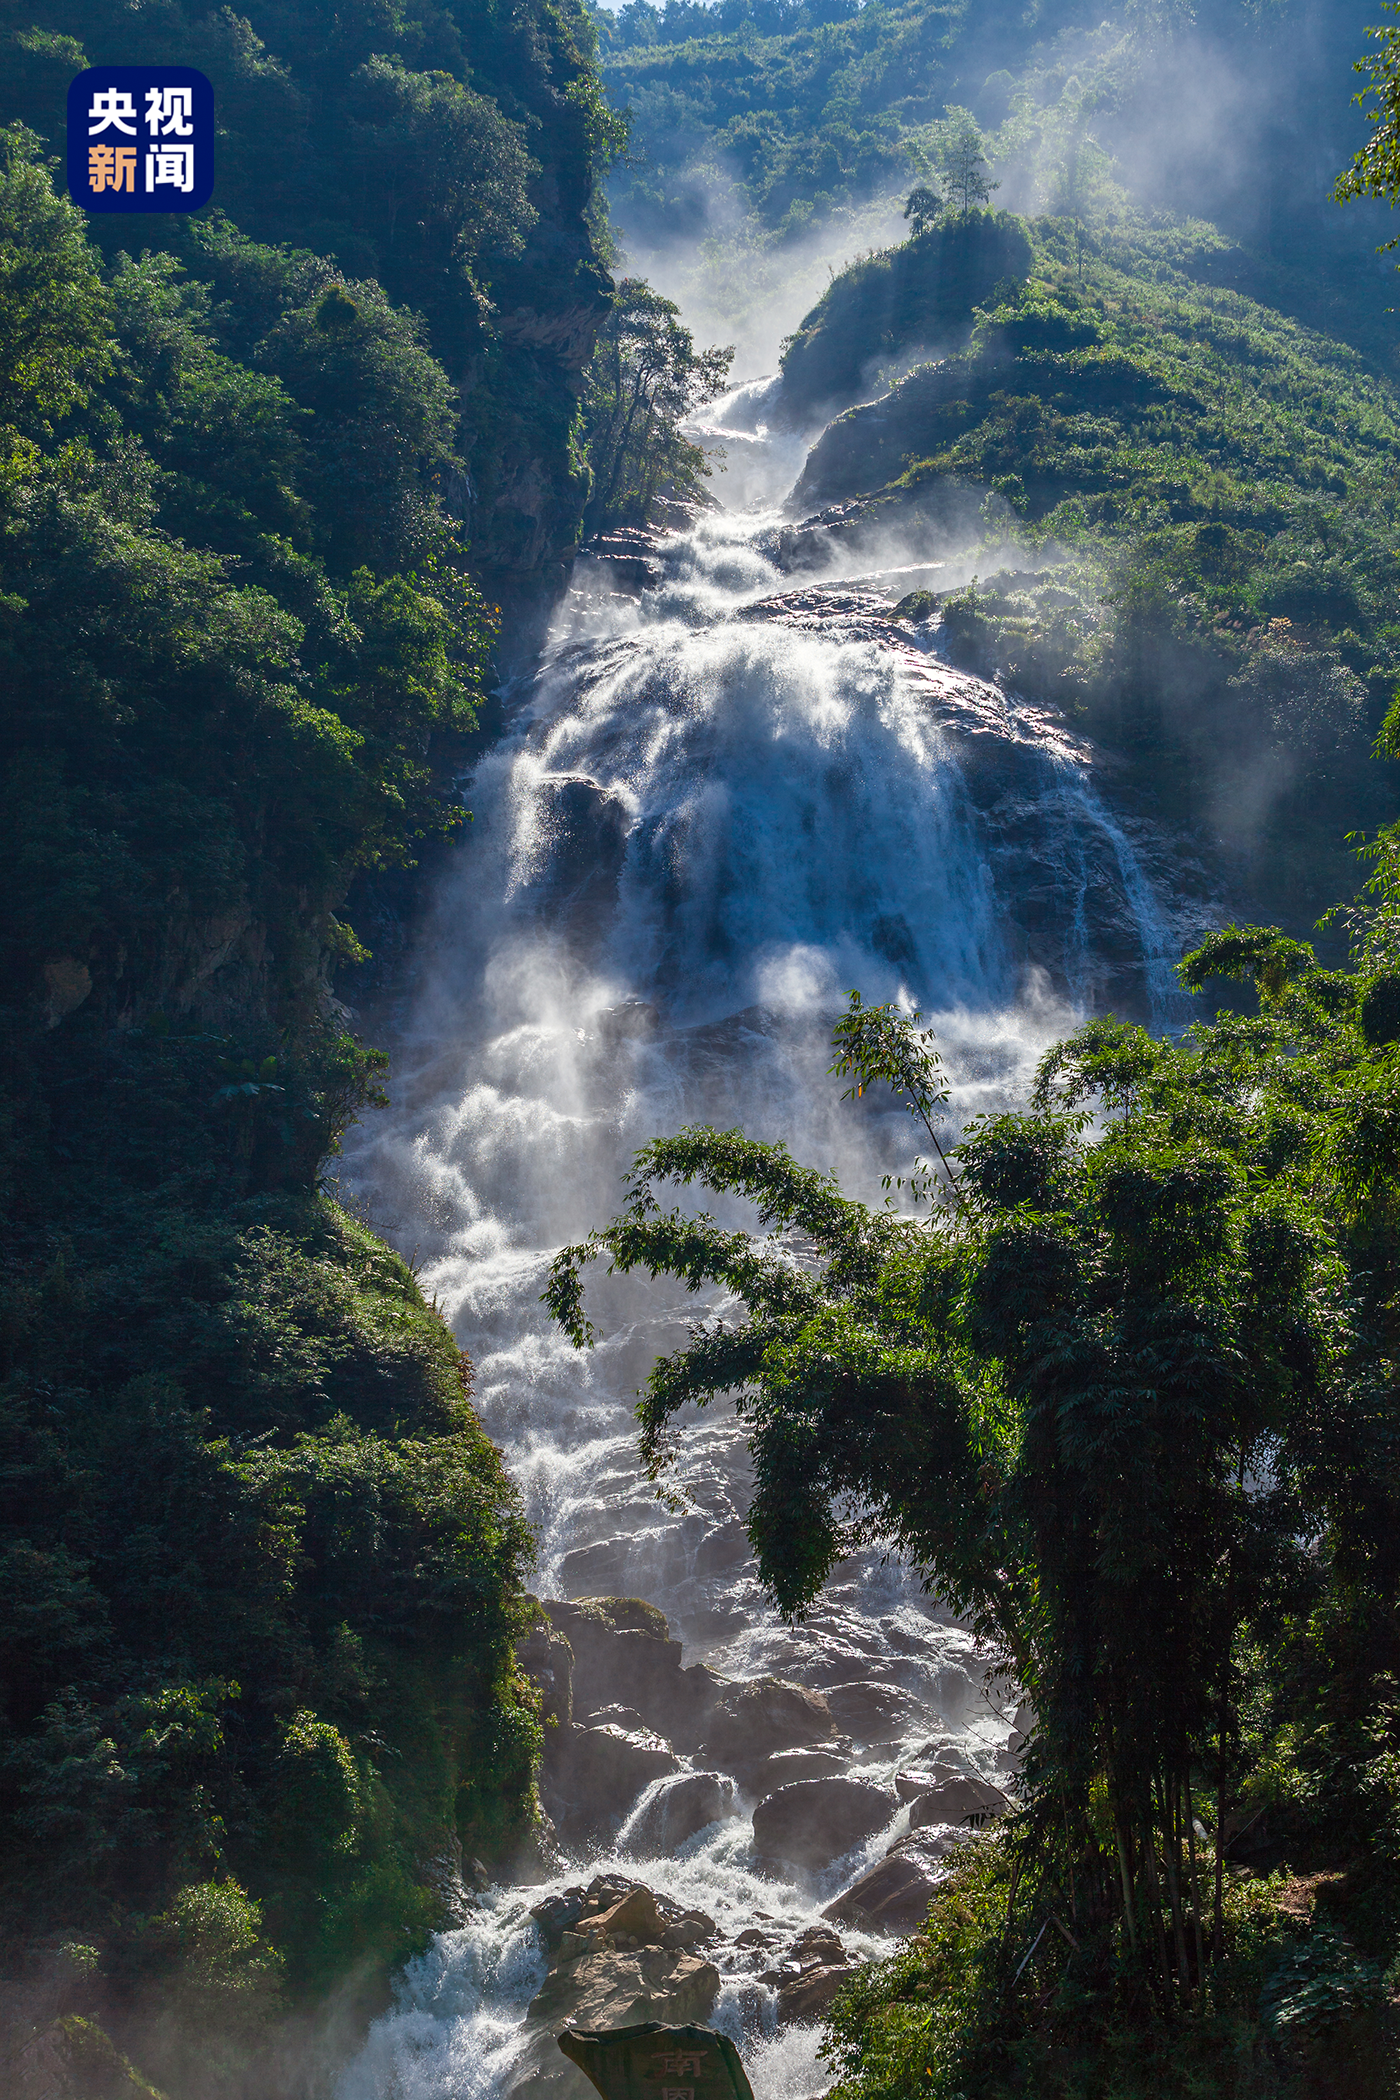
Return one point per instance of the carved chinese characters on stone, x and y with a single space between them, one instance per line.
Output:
652 2062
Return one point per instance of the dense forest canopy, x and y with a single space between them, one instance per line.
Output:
798 108
447 156
263 1571
263 474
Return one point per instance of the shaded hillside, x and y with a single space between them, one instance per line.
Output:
769 138
264 1571
920 293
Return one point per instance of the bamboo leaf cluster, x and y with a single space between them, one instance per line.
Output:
1124 1392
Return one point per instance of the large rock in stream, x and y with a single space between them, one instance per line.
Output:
813 1821
892 1896
592 1776
688 1803
617 1965
749 1722
623 1655
967 1801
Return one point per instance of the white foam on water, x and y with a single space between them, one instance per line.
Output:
727 815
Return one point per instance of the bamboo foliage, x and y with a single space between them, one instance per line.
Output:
1098 1386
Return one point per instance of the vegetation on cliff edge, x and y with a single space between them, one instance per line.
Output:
1128 1398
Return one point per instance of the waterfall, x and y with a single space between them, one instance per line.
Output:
717 807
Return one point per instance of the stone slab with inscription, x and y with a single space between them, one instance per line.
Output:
652 2062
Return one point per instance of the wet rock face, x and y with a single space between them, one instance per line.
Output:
630 554
808 1976
620 1954
814 1821
930 1767
787 1766
891 1896
619 1769
752 1721
591 1776
585 828
969 1802
546 1658
688 1803
870 1713
623 1655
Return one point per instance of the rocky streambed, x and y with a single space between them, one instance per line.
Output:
647 1755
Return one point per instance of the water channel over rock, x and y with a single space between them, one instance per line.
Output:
729 794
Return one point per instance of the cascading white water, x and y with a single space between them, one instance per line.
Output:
716 809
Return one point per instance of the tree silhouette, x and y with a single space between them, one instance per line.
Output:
963 164
923 208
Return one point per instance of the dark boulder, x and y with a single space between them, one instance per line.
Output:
624 1656
752 1721
962 1801
785 1766
814 1821
559 1914
592 1776
807 1996
870 1712
892 1896
679 1808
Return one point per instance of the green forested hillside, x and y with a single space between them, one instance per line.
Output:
448 156
262 1569
770 139
790 109
1190 510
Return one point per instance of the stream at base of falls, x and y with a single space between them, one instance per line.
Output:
722 802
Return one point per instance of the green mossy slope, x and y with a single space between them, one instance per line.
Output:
923 291
1191 535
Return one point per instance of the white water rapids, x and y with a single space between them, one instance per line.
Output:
717 807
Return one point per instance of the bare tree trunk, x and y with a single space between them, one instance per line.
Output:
1069 1857
619 457
1128 1917
1154 1897
1171 1852
1218 1930
1217 1941
1195 1884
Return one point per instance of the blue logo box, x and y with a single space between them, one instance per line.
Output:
141 138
